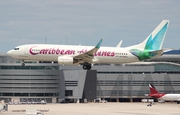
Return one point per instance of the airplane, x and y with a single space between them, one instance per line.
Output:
89 55
162 96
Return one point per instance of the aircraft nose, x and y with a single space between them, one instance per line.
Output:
10 52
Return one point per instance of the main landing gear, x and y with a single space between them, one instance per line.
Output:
86 66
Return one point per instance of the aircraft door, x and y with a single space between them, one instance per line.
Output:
26 51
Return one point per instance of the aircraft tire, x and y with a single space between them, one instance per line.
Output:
23 64
88 67
85 67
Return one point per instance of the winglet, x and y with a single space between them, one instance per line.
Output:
99 44
119 44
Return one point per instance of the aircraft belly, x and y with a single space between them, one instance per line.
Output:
116 60
170 97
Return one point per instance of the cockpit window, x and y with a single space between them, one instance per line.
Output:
16 48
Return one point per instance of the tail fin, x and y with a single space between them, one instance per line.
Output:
154 93
155 40
152 89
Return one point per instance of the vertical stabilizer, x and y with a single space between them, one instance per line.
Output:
155 40
152 89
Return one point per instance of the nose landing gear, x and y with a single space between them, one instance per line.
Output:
22 64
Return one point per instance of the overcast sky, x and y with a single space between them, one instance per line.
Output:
86 22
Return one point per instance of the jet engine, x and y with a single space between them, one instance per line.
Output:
65 60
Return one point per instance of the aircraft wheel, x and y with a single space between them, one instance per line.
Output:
85 67
88 67
23 64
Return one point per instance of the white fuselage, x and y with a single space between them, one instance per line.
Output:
171 97
88 55
45 52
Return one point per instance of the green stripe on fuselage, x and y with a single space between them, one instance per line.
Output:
142 55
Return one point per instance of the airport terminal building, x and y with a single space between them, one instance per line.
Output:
52 82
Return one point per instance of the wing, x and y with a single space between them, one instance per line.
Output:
87 56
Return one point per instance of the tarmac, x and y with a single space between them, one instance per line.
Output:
109 108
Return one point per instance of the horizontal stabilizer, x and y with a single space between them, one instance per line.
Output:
156 53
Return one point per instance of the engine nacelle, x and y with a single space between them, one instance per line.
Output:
65 60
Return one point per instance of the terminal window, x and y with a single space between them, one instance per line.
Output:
68 92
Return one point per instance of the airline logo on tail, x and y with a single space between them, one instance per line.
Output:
151 46
154 93
152 89
155 43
